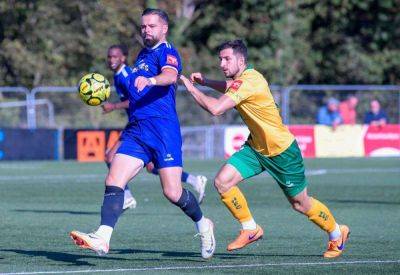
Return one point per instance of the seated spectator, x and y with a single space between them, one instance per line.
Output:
329 115
375 116
347 110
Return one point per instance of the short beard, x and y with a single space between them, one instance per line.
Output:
150 42
229 75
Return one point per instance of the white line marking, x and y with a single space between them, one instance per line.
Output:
207 267
363 170
315 172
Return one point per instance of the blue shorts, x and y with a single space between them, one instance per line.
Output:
121 136
156 140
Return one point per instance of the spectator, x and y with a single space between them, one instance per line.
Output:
347 110
329 115
376 116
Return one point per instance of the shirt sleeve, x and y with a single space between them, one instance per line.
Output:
123 88
134 94
170 58
239 91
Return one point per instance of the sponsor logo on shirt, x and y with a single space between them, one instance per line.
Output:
236 85
141 66
171 60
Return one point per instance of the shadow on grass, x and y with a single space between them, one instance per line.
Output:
60 256
231 255
59 212
81 260
90 212
365 202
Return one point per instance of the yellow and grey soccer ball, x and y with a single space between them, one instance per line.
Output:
94 89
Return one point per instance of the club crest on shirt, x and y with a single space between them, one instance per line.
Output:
236 85
171 60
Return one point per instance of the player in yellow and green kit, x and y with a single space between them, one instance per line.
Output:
270 147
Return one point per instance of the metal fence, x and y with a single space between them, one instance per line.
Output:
298 103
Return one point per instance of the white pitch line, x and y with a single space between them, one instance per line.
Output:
363 170
207 267
315 172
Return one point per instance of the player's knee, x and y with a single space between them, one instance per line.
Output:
221 185
299 206
172 194
301 202
296 206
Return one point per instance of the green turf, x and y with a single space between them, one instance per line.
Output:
42 201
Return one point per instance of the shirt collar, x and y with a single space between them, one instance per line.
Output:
248 67
156 45
120 69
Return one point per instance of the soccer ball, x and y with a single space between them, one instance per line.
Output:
94 89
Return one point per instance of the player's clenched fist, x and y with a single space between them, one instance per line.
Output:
198 78
108 107
141 82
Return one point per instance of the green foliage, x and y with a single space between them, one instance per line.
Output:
308 41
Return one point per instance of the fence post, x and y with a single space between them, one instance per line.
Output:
285 104
30 111
18 90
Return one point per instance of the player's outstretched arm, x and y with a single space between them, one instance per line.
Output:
108 107
215 106
218 85
166 77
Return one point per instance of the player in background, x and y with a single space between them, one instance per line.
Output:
117 56
153 134
270 147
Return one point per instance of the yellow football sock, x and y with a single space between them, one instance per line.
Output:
321 216
237 204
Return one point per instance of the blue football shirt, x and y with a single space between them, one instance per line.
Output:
122 80
154 101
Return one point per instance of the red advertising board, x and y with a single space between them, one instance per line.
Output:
382 140
304 135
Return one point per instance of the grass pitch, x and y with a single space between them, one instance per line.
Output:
41 202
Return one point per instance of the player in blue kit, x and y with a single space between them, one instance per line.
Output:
153 134
116 59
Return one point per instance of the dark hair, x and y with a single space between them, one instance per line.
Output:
122 48
162 14
236 45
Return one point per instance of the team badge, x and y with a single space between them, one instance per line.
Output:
171 60
236 85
